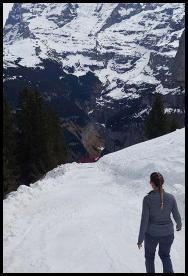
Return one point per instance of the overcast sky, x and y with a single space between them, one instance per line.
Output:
6 8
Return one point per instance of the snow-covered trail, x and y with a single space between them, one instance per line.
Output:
80 227
84 218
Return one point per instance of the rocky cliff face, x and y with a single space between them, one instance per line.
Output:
179 62
99 64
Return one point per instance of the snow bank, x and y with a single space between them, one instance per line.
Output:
165 154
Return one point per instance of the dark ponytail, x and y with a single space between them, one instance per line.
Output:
158 180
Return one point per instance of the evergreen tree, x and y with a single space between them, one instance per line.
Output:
156 123
56 144
41 142
172 124
9 150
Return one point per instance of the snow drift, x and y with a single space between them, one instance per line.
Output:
85 217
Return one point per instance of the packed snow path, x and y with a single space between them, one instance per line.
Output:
85 217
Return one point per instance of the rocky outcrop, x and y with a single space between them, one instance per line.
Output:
179 62
88 136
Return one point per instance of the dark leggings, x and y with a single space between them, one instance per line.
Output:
150 244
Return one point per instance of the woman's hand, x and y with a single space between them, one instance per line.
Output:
139 245
178 227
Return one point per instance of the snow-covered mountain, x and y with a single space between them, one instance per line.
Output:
85 217
126 49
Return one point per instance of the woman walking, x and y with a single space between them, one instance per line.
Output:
156 225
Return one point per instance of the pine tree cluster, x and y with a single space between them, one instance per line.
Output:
33 141
158 122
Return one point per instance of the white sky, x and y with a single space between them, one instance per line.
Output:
6 8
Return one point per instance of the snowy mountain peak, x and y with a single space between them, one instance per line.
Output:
116 41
